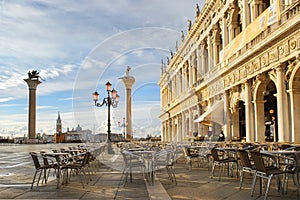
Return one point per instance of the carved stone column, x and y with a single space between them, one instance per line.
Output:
199 62
128 82
282 107
216 44
210 52
227 126
204 57
224 30
249 114
295 115
259 120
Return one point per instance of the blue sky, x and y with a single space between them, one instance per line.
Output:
77 46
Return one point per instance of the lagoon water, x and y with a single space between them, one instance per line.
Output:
16 165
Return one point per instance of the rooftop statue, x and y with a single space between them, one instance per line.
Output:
182 35
197 10
189 24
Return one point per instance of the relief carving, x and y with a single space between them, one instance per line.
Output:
293 44
243 72
273 55
264 60
256 66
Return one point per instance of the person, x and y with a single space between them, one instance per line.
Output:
221 136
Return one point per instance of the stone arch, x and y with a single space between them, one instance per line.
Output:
264 91
294 94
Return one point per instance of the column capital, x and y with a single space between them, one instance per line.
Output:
32 84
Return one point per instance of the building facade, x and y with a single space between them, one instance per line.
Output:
237 70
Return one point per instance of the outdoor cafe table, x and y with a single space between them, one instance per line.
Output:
59 158
294 154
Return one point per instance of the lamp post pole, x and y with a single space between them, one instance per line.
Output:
112 99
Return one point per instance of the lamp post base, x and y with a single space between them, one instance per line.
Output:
110 149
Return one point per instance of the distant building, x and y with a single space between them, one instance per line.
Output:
58 124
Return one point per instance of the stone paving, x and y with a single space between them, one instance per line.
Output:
107 183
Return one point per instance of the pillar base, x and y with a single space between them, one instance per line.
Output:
110 149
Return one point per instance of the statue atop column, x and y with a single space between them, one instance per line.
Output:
128 70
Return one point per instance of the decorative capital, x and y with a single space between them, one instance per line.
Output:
32 83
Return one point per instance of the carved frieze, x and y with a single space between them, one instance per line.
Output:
249 69
273 55
256 65
243 72
264 60
293 44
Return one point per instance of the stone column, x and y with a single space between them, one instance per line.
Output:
199 60
128 82
282 107
259 121
249 114
246 14
210 52
32 85
295 115
226 128
203 57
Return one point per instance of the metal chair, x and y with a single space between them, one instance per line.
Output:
220 159
80 168
39 169
246 164
266 171
189 158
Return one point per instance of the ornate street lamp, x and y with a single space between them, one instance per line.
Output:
124 125
112 99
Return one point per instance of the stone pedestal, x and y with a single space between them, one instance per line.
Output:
128 82
32 85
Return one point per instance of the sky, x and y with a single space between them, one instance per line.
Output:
77 46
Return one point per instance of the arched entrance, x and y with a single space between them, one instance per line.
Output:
294 88
242 120
265 107
270 108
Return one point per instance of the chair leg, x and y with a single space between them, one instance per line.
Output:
268 187
213 169
222 166
253 183
37 184
33 178
241 179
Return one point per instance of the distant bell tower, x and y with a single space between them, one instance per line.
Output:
58 124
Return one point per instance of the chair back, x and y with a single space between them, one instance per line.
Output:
162 158
214 154
45 160
86 159
258 161
35 159
244 157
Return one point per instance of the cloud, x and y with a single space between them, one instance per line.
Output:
5 99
